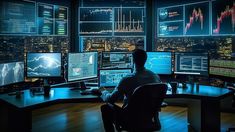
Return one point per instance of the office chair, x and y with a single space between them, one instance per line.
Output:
141 113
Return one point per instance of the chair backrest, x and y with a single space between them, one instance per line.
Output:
144 103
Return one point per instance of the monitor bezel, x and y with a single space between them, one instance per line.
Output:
14 83
185 73
111 69
172 70
26 65
114 52
82 79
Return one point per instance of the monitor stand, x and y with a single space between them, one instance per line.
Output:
82 86
46 87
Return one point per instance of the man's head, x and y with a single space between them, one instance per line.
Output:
139 57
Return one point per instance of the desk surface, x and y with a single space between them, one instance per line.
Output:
202 92
30 101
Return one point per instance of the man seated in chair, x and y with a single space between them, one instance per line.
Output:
110 111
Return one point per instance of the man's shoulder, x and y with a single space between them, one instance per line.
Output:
149 71
129 76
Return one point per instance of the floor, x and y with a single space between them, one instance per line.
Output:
86 117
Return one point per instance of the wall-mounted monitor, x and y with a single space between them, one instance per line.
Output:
18 17
82 66
159 62
52 19
43 65
206 18
12 72
191 63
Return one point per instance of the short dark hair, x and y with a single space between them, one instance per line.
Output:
139 57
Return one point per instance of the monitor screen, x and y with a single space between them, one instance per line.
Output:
82 66
43 64
191 63
11 73
117 60
111 77
159 62
224 68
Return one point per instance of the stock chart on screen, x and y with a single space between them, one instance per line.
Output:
112 21
129 21
96 21
197 19
207 18
223 17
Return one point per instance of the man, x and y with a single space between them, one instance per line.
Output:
125 88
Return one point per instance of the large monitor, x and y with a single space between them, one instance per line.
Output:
117 60
111 77
43 65
82 66
222 68
12 72
159 62
191 63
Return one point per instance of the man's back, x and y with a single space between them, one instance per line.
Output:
129 83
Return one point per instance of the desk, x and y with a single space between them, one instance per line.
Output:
16 113
203 109
203 105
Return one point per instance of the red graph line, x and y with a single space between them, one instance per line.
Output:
196 14
228 12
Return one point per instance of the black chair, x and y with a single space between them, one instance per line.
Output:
141 113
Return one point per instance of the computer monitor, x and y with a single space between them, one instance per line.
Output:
191 63
43 65
11 73
117 60
159 62
82 66
222 68
111 77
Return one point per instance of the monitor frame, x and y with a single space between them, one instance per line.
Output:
172 57
191 73
14 83
114 52
83 79
44 77
111 69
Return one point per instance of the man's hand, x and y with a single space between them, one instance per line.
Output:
96 92
102 89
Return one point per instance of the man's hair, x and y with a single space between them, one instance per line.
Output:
139 57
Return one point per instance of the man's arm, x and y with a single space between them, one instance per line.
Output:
116 94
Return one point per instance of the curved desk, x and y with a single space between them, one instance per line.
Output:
203 106
16 113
